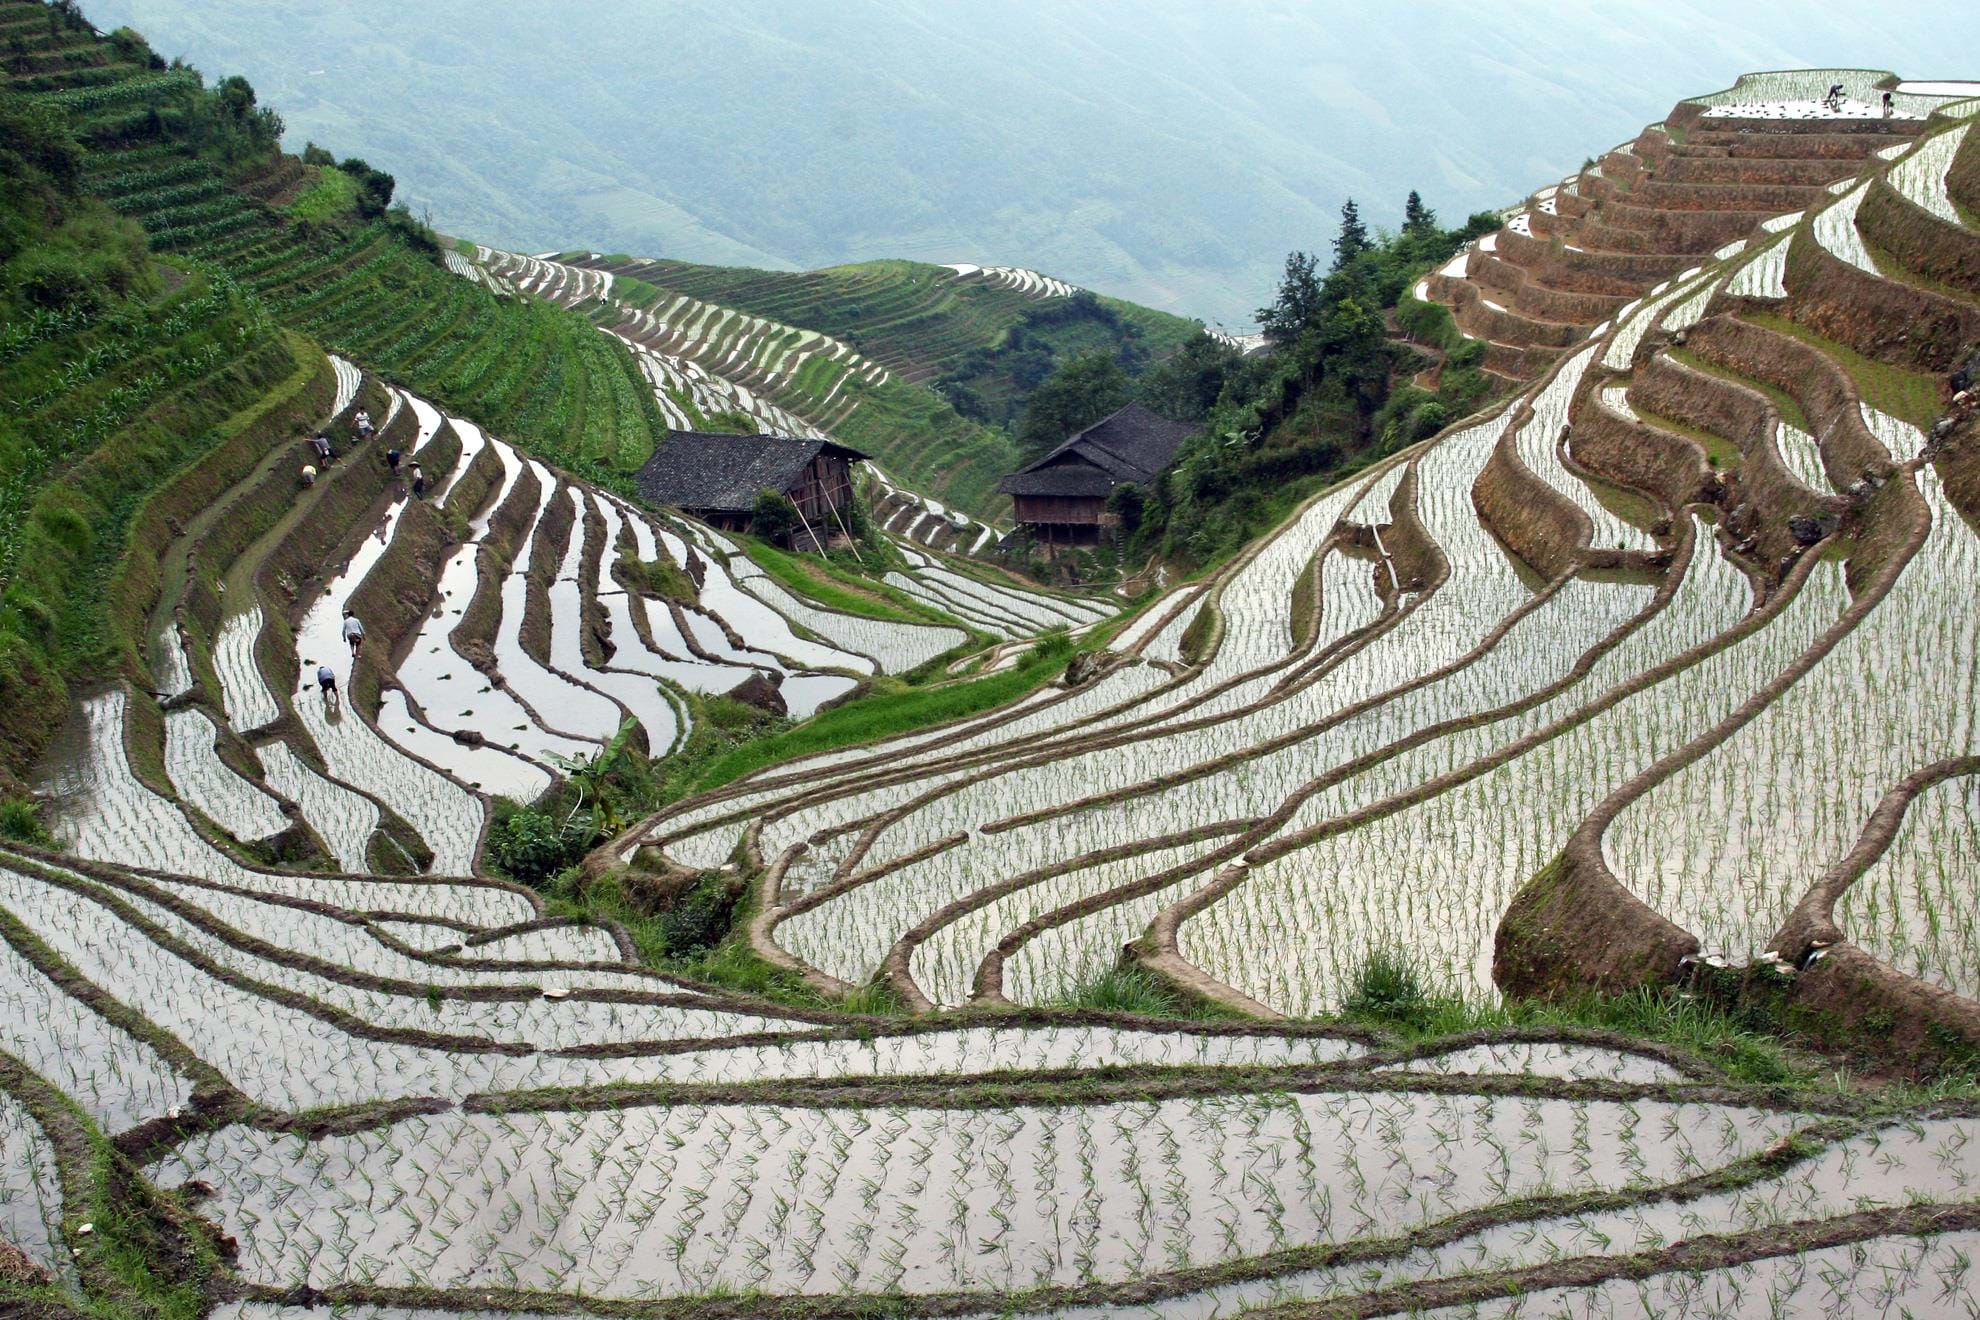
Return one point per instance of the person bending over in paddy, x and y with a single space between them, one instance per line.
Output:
392 457
308 475
321 444
353 634
326 679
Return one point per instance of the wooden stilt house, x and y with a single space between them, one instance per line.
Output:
718 478
1062 498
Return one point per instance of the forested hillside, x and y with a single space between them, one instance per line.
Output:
1353 368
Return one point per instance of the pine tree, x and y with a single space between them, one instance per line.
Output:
1298 303
1354 235
1416 216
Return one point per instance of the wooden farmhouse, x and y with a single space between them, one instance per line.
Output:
717 478
1062 498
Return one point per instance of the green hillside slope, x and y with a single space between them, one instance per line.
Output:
916 319
200 170
924 368
117 374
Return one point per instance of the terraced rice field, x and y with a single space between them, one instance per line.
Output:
1028 282
544 1127
704 359
1529 654
1665 664
487 691
1695 184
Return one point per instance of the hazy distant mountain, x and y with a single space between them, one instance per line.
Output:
1166 151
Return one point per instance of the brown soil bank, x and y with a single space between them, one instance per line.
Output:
1573 929
1879 318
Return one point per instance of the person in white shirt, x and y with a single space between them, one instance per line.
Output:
326 678
353 633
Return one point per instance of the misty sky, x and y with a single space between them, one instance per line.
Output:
1166 151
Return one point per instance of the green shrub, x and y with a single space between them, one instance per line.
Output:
54 280
65 527
659 577
374 187
531 846
774 518
732 422
699 920
1124 990
875 999
20 821
1427 420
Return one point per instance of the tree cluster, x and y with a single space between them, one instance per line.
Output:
1323 395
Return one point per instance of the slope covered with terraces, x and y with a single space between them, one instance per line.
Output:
860 353
1699 570
203 176
1657 676
704 361
1721 173
915 320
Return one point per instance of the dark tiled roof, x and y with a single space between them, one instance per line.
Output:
1133 444
1071 479
696 470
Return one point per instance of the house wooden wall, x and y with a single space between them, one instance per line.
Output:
826 484
1078 510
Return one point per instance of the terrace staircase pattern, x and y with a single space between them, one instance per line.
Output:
403 1088
1556 638
1684 190
704 359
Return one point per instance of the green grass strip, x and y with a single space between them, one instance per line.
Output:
1911 395
888 713
1784 403
825 583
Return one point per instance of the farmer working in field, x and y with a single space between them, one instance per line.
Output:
326 678
361 425
308 475
353 634
321 444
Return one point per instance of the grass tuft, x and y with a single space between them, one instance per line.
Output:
866 719
1125 990
1388 989
20 821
